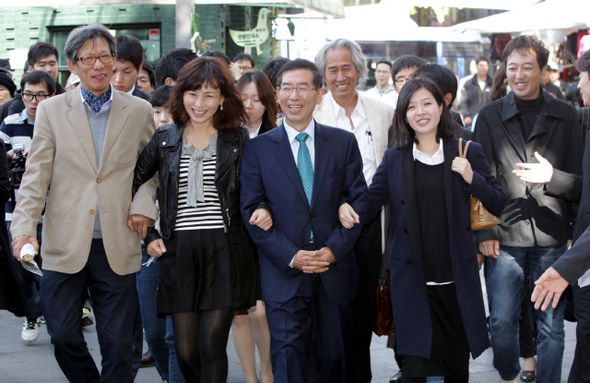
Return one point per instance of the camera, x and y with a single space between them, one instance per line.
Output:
17 165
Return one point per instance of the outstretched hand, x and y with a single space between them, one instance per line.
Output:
548 287
533 173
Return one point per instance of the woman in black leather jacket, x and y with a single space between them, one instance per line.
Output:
209 267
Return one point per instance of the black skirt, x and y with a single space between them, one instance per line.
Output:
207 270
449 355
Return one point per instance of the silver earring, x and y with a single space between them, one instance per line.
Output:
220 106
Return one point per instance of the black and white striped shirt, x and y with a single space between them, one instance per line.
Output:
207 215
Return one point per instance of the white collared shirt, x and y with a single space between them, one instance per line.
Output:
292 134
255 134
437 158
362 132
131 91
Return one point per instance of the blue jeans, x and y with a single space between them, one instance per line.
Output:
159 334
148 280
504 281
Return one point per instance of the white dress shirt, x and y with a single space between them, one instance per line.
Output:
362 131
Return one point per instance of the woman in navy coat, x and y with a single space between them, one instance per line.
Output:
436 295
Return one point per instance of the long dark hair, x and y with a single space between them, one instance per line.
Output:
215 74
402 133
266 95
499 84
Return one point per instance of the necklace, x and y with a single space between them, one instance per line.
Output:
431 150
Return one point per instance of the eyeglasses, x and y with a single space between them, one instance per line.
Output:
402 80
90 60
301 90
28 97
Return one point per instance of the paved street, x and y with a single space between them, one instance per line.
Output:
34 363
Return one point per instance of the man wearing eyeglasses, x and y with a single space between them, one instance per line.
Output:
17 128
85 146
343 64
303 170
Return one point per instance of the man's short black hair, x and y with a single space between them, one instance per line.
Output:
150 71
406 61
442 76
171 62
523 44
217 54
480 59
41 50
161 96
35 77
129 48
583 63
244 56
272 67
388 63
301 64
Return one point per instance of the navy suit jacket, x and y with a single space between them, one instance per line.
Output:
269 174
141 94
394 181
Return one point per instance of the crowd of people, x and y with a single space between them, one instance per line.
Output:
203 196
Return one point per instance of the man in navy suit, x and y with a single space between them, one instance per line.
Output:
304 171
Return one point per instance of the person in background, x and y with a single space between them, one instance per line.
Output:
244 63
476 92
7 88
42 56
209 266
403 68
146 78
6 68
272 68
250 327
72 82
36 87
169 65
383 90
128 64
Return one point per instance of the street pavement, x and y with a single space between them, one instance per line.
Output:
34 363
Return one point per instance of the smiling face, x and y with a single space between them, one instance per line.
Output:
524 74
94 78
341 75
402 77
201 104
124 75
584 86
298 107
254 107
423 113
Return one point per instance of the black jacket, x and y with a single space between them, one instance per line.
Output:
473 98
163 154
531 217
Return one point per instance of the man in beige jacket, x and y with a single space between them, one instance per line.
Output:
84 150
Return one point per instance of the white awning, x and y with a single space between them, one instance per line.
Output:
548 15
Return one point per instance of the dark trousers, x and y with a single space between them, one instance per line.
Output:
580 371
114 300
368 258
331 326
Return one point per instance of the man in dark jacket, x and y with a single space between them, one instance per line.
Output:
573 267
534 228
476 92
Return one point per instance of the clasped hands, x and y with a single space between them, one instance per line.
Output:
316 261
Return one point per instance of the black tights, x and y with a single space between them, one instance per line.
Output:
201 343
463 379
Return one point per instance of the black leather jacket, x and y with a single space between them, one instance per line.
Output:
163 154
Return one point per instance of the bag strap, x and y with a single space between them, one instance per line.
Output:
463 152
